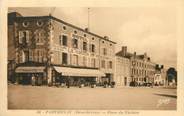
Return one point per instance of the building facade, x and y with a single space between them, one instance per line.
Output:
55 51
160 75
122 69
142 70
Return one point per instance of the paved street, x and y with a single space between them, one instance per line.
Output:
28 97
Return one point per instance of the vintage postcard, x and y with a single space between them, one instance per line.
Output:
92 58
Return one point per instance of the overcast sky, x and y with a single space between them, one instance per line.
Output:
141 29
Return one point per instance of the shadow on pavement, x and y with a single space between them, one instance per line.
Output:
166 95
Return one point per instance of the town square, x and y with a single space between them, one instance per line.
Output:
124 98
54 63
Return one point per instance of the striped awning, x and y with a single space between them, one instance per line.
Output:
67 71
24 69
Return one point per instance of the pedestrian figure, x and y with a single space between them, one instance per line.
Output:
68 83
33 80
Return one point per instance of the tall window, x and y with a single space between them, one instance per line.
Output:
39 37
41 56
60 39
92 48
21 57
84 61
38 55
75 43
103 63
23 37
110 64
85 46
93 62
26 56
75 60
30 55
64 58
104 51
64 40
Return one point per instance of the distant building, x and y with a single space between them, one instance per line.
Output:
122 69
54 51
160 75
142 70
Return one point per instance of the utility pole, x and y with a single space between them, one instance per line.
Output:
88 18
52 11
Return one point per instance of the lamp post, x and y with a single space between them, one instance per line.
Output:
49 68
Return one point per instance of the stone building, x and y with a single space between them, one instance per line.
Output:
142 70
55 51
11 45
122 69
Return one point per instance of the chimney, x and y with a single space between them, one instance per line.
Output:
145 55
134 54
124 50
106 37
86 29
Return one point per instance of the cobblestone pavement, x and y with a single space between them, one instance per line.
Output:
126 98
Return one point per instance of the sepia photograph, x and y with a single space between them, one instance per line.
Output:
92 58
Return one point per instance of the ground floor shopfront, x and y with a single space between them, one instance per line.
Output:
141 81
56 75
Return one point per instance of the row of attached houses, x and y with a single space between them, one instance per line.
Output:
53 51
130 67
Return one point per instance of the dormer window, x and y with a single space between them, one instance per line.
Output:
25 24
39 23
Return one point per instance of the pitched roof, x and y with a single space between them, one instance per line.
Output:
61 21
128 55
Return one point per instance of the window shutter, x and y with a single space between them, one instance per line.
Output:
23 57
27 36
90 47
20 36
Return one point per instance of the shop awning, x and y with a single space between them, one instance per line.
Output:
67 71
29 69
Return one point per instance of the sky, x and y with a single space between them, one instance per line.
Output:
141 29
